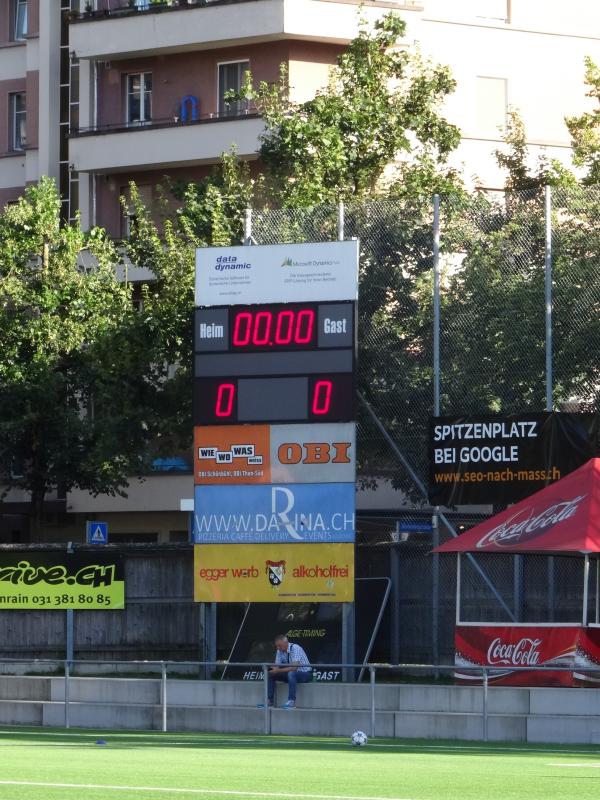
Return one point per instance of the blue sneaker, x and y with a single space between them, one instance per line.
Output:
289 704
262 705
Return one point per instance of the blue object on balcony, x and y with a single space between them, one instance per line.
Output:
175 464
189 102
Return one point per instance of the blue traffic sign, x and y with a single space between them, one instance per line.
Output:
96 532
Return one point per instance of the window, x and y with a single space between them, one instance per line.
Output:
491 107
18 121
19 19
139 98
493 10
231 77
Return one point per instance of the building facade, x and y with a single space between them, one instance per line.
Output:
99 93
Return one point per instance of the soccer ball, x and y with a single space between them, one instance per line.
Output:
359 738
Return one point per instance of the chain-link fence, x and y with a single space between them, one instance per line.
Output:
519 330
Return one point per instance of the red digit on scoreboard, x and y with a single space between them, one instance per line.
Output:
225 398
321 399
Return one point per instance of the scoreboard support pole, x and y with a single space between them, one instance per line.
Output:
207 636
348 640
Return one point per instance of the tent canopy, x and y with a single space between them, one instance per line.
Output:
561 518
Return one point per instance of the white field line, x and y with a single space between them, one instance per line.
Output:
579 766
219 792
162 739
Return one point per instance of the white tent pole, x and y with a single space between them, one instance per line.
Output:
458 588
597 615
586 575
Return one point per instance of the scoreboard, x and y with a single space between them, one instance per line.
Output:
291 362
274 431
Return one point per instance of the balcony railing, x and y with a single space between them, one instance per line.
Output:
127 8
163 122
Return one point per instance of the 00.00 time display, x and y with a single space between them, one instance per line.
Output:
226 401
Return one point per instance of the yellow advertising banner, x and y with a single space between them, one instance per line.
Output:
274 573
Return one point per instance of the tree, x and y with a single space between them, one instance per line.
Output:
585 129
381 106
77 389
521 175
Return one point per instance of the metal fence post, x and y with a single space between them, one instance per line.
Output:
163 694
267 715
436 305
67 721
372 682
341 221
548 294
248 226
485 705
435 581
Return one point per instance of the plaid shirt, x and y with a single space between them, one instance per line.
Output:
293 655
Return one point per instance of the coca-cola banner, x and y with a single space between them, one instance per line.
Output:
587 658
495 459
510 649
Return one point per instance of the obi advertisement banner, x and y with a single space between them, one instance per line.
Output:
293 513
279 273
251 454
494 459
509 649
51 581
273 573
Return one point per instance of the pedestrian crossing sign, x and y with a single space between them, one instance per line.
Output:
96 532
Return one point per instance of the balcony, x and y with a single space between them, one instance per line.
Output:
163 144
121 31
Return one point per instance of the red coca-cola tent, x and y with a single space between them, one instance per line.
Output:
561 518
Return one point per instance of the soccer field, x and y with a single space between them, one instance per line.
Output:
99 765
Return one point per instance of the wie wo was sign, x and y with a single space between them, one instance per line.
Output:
248 454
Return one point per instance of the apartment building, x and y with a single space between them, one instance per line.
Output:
97 93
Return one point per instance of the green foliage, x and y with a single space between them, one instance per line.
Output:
212 209
585 129
547 172
381 105
75 388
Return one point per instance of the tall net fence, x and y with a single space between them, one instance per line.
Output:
502 349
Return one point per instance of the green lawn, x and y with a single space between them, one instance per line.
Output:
71 765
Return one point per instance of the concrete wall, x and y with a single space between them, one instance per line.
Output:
400 711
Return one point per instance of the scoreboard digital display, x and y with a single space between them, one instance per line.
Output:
273 328
314 398
283 362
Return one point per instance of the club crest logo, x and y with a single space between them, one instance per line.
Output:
275 571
